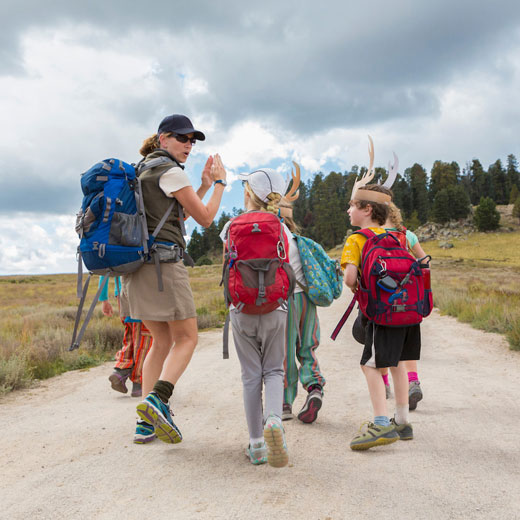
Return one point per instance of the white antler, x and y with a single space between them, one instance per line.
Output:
369 174
293 193
392 172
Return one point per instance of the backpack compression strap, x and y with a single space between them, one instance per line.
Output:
343 319
77 339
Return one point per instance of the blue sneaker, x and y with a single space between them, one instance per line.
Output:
257 453
274 436
153 411
144 433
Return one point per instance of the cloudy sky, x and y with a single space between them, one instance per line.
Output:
268 82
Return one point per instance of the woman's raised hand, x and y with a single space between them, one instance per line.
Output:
218 172
206 177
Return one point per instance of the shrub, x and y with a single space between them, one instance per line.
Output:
486 216
204 260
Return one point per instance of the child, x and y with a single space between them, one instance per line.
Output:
384 346
302 340
137 341
395 223
260 341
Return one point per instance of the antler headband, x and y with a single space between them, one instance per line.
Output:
292 194
358 191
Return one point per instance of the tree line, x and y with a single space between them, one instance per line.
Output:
447 193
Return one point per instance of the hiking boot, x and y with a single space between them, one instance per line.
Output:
274 436
374 435
414 394
405 431
144 433
287 414
153 411
309 413
118 379
257 453
136 390
388 391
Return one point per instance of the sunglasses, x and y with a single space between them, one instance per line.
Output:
184 138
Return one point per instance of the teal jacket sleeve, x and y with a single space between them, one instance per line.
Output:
411 237
103 297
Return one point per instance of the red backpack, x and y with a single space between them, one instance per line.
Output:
394 287
257 276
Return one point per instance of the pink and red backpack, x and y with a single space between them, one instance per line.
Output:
394 286
257 276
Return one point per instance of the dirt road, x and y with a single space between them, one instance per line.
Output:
67 448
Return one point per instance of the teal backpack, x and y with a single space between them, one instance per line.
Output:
323 275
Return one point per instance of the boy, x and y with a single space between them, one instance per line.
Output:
384 346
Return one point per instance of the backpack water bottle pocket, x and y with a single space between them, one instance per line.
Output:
126 230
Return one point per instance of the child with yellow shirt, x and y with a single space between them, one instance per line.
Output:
384 346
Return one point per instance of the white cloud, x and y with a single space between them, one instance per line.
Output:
37 244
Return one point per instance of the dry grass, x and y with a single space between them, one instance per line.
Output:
37 316
477 281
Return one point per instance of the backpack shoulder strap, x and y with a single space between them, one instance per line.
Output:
366 232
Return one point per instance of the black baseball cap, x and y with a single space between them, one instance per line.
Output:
181 125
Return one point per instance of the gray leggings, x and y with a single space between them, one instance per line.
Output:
260 343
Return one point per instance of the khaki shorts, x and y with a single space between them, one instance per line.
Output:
141 299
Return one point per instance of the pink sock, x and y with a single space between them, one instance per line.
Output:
385 379
412 376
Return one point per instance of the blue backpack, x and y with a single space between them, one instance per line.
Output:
112 227
322 274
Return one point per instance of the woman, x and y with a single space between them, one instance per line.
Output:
159 293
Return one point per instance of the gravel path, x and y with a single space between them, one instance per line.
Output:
68 450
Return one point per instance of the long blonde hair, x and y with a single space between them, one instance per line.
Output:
395 216
287 216
272 206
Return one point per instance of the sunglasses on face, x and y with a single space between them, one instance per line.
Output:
184 138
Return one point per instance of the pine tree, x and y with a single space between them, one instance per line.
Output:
487 217
477 180
513 176
513 195
441 207
443 174
459 203
516 208
499 181
417 178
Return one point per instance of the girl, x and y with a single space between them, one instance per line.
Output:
395 223
260 340
169 313
302 340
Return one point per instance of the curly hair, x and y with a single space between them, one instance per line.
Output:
150 144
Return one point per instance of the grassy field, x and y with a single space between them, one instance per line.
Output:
477 281
37 316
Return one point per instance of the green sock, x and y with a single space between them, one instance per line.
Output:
164 390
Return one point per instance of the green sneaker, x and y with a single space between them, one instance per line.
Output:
374 435
405 431
274 436
257 453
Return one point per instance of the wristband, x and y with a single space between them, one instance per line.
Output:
220 181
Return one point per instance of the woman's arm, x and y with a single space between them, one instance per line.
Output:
193 205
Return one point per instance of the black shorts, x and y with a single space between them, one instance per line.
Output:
386 346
